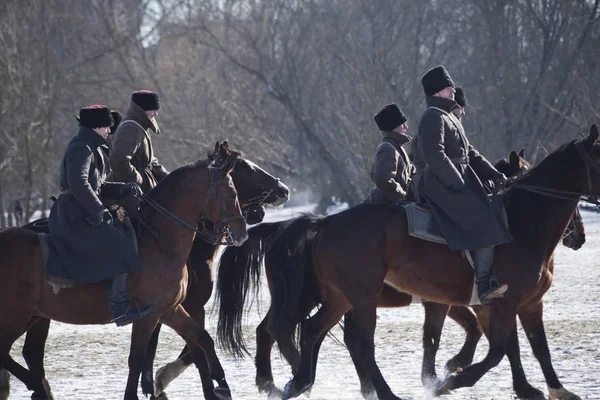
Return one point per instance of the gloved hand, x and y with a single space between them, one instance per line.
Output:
135 190
500 182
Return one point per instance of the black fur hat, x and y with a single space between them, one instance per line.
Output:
117 118
146 99
389 118
460 97
96 116
436 79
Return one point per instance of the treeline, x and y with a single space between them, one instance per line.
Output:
291 83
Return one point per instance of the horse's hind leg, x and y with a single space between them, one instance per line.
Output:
33 353
533 324
467 319
200 344
435 315
312 332
167 373
262 361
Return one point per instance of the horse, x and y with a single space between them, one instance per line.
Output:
352 254
256 188
241 269
200 191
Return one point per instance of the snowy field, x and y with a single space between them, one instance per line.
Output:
91 362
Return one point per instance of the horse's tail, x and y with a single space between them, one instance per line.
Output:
239 269
290 264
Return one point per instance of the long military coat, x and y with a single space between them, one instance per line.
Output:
449 177
391 170
86 253
132 156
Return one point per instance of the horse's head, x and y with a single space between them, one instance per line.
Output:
255 186
221 205
515 165
574 236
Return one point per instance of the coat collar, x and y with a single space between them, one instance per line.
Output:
90 137
401 138
440 102
135 113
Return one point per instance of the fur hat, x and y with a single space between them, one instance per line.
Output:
117 118
460 97
96 116
436 79
146 99
389 118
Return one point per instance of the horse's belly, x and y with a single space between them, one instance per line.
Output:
79 305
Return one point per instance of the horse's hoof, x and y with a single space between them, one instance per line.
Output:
528 392
446 385
562 394
222 393
264 384
162 396
293 389
147 385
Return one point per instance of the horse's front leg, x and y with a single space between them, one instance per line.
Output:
533 324
33 353
435 315
147 380
201 345
141 333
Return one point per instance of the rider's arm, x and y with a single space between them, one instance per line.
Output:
158 170
481 165
124 145
431 142
79 160
384 172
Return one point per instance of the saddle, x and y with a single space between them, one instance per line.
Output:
422 225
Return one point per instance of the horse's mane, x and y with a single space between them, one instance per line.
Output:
540 172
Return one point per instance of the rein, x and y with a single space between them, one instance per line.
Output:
212 236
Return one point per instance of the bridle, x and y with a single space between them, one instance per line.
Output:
588 197
571 227
221 229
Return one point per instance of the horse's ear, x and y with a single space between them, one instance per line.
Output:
522 153
514 160
593 138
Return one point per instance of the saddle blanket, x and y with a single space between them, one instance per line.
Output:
57 279
422 225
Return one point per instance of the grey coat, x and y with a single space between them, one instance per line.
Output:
449 176
85 253
132 156
391 170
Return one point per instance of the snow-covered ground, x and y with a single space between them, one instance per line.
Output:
90 362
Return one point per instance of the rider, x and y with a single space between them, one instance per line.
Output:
391 170
132 156
461 103
88 244
451 172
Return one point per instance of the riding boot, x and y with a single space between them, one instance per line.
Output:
488 287
122 311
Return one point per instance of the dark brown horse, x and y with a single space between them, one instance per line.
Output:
202 190
352 254
256 188
241 269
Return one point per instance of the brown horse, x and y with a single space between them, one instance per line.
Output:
354 252
241 269
256 188
199 191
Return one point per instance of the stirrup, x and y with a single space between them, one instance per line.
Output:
131 315
496 293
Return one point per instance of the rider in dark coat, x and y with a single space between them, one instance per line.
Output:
391 170
90 247
132 156
452 172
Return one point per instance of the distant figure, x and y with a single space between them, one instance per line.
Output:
18 211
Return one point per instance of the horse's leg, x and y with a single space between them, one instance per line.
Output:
199 341
167 373
533 324
467 319
435 315
147 379
365 318
141 333
4 384
33 353
502 315
262 361
312 331
366 386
